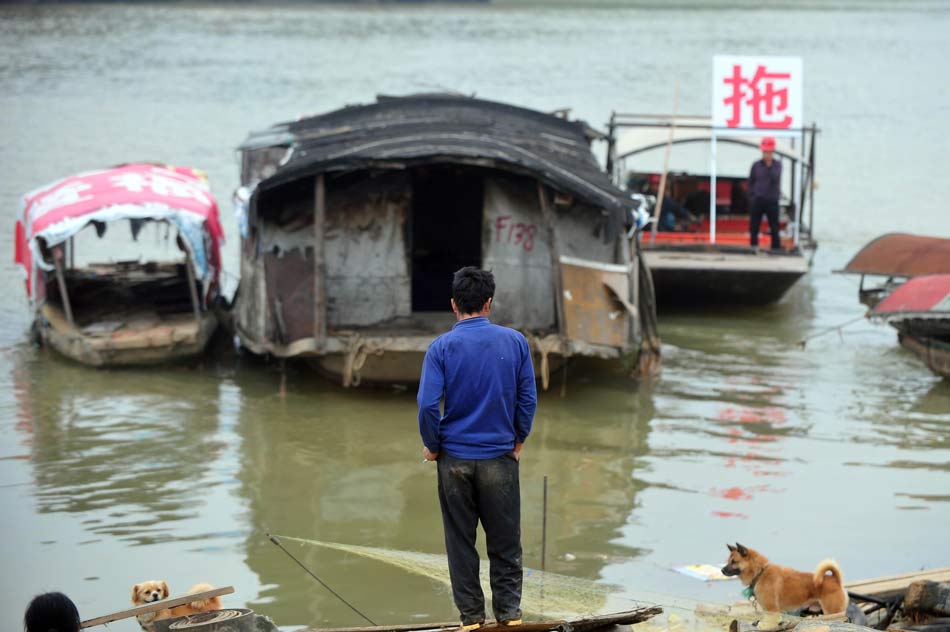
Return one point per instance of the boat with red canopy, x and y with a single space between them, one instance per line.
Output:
895 257
125 312
920 311
701 252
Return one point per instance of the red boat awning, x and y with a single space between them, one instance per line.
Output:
137 191
902 255
924 296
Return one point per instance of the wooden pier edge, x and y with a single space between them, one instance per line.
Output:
155 606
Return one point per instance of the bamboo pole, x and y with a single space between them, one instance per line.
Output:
193 287
155 606
319 265
61 282
544 523
666 166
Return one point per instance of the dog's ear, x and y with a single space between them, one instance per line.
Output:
730 547
164 590
135 592
742 550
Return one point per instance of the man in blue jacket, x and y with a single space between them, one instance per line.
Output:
486 376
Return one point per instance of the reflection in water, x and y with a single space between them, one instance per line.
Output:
128 454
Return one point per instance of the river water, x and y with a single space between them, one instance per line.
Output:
841 449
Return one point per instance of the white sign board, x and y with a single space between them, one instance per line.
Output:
762 93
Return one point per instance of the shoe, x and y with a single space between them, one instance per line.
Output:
510 622
470 627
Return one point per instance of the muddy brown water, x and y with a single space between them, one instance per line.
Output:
841 449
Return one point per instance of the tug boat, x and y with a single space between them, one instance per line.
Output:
704 256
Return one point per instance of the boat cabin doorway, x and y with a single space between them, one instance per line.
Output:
445 231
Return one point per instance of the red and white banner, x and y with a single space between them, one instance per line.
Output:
762 93
134 191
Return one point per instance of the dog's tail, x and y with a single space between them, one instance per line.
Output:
214 603
823 567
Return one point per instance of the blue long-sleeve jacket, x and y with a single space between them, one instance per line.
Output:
485 373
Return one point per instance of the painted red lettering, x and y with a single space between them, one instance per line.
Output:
500 223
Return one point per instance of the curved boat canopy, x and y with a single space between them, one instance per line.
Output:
52 214
635 134
395 132
902 255
925 296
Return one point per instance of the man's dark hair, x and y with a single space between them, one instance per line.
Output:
471 287
52 612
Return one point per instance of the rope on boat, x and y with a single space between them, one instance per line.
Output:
838 328
322 583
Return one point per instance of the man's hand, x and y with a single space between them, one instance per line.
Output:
429 456
517 451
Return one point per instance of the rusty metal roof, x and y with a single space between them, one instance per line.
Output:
902 255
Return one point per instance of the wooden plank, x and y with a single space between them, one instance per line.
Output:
319 265
409 627
155 606
618 618
893 585
579 625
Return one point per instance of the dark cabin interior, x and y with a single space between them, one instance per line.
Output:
445 229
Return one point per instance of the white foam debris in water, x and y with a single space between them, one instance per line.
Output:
542 593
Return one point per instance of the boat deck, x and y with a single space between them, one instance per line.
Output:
128 337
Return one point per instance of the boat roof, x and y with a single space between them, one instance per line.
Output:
638 133
925 296
902 255
419 129
134 191
130 191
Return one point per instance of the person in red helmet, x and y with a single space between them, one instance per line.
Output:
765 182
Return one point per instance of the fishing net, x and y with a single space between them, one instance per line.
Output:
542 593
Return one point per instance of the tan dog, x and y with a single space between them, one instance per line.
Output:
780 589
156 590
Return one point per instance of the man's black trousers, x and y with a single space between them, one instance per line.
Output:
769 208
486 490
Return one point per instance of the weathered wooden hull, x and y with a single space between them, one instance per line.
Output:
695 277
174 338
356 359
932 352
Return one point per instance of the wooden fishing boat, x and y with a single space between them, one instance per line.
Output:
701 254
122 313
920 311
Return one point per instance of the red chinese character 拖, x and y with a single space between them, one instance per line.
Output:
767 100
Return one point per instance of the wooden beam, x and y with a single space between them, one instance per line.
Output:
155 606
582 625
547 213
893 585
192 287
61 282
319 265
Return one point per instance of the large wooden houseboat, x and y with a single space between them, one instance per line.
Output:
354 221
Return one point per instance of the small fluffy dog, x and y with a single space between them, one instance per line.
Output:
156 590
780 589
